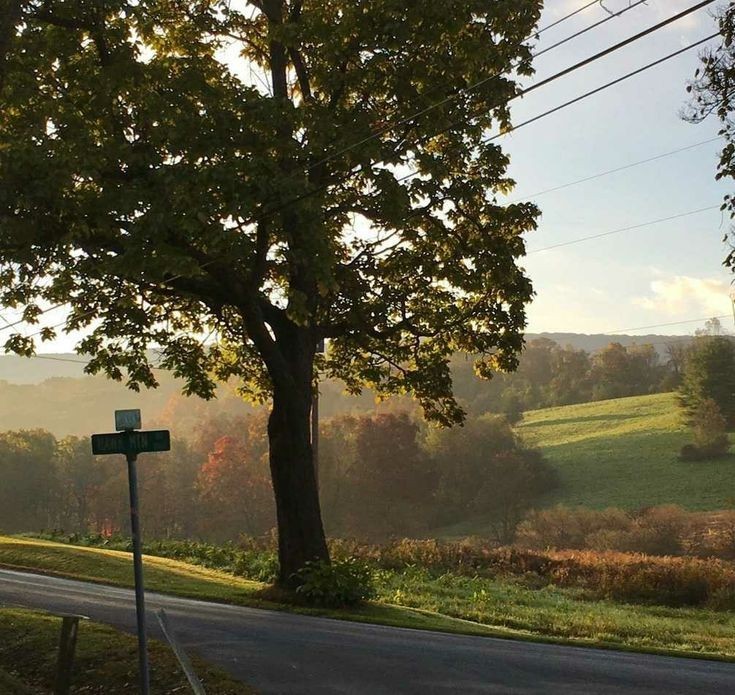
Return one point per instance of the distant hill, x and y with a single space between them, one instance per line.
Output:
596 341
23 370
52 392
34 370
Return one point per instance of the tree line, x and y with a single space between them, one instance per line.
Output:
550 375
381 475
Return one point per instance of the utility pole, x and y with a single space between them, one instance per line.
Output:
732 300
315 419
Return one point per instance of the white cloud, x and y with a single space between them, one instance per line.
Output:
682 295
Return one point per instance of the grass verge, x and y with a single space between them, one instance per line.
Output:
415 598
106 660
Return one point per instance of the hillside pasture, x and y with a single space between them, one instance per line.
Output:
624 453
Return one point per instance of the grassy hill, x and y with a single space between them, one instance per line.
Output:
623 453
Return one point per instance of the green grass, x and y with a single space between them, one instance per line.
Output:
416 599
565 614
106 660
177 578
623 453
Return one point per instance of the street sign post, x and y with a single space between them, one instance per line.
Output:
130 442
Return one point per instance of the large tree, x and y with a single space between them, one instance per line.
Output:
176 170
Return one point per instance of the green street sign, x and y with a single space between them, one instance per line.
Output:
131 443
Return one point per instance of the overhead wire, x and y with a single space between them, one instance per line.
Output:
570 15
592 92
620 230
616 170
470 88
664 325
597 90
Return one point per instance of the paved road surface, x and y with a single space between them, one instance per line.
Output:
282 653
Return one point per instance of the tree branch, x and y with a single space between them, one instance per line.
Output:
9 16
301 73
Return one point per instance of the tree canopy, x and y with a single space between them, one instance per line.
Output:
185 176
709 373
163 197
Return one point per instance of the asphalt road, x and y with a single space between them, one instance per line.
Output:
283 653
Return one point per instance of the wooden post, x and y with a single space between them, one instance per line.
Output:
67 648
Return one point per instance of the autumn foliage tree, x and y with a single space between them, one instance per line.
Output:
29 480
80 477
147 184
486 472
234 485
392 478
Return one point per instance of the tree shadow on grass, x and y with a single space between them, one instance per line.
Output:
618 417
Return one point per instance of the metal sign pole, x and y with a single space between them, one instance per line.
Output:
138 569
129 440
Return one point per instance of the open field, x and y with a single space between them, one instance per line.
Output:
623 453
417 598
106 660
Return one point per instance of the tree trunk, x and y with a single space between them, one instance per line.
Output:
300 530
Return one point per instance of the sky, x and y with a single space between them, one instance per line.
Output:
664 273
657 274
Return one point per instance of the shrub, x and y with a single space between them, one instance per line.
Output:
565 527
336 584
715 449
710 434
660 530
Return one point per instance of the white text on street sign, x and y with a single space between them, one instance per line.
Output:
131 442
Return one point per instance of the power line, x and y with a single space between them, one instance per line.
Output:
581 64
614 171
20 322
55 359
590 93
663 325
623 229
607 18
569 16
603 87
621 44
466 90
